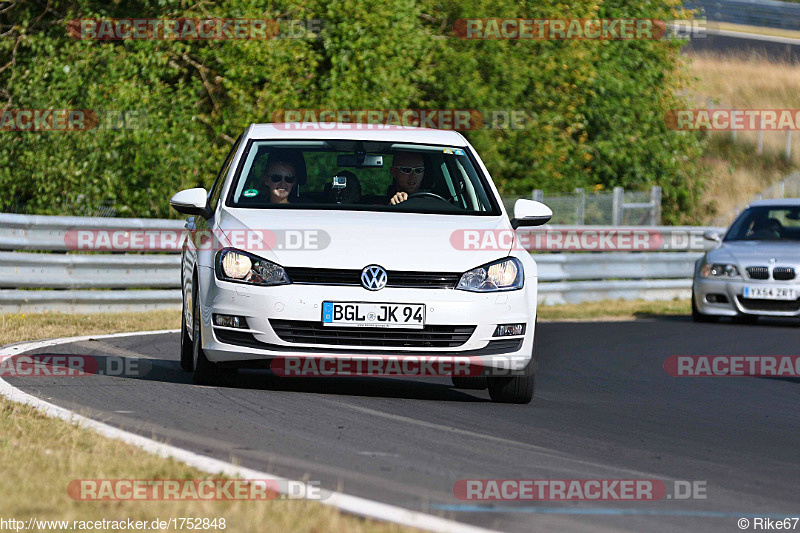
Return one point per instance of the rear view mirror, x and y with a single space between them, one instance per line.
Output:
360 160
530 213
711 235
191 202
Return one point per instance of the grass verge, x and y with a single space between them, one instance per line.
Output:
615 309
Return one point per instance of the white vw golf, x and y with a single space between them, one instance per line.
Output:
355 241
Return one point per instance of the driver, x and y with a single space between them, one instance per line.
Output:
407 170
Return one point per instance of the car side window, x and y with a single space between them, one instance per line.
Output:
216 190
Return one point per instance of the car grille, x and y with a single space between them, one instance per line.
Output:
394 278
783 273
246 339
309 332
760 272
784 306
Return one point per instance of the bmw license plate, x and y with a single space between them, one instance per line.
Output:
373 315
770 293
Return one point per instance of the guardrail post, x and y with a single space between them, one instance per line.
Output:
616 208
581 205
537 195
655 199
788 145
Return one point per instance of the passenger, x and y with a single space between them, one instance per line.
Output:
279 180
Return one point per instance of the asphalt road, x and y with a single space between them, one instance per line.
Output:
604 409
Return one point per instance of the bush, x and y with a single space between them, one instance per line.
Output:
597 107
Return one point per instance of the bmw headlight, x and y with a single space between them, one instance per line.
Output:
503 275
719 270
234 265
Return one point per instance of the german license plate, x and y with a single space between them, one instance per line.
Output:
373 315
770 293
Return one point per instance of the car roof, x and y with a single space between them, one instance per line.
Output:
776 202
359 132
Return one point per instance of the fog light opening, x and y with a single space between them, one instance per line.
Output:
230 321
508 330
716 298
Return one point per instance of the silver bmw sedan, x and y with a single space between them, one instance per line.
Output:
754 269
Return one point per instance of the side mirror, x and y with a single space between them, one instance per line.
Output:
712 235
191 202
530 213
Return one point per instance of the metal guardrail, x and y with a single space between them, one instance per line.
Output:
615 266
104 271
41 232
101 282
769 13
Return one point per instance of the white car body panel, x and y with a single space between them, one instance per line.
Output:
396 241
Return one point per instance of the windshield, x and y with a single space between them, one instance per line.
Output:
767 223
360 175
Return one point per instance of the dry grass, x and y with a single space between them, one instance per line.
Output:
736 172
40 456
615 309
26 326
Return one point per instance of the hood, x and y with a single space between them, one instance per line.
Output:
753 253
355 239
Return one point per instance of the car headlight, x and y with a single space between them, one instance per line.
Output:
503 275
719 270
234 265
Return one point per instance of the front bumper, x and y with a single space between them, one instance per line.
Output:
259 343
736 304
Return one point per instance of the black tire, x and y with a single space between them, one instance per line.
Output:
470 382
519 388
697 316
187 355
204 371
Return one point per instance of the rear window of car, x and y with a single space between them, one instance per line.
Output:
360 175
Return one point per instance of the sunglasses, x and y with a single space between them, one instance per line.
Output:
407 170
277 178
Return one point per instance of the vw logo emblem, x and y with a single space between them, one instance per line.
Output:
373 278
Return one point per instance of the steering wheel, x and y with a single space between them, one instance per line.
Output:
428 194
